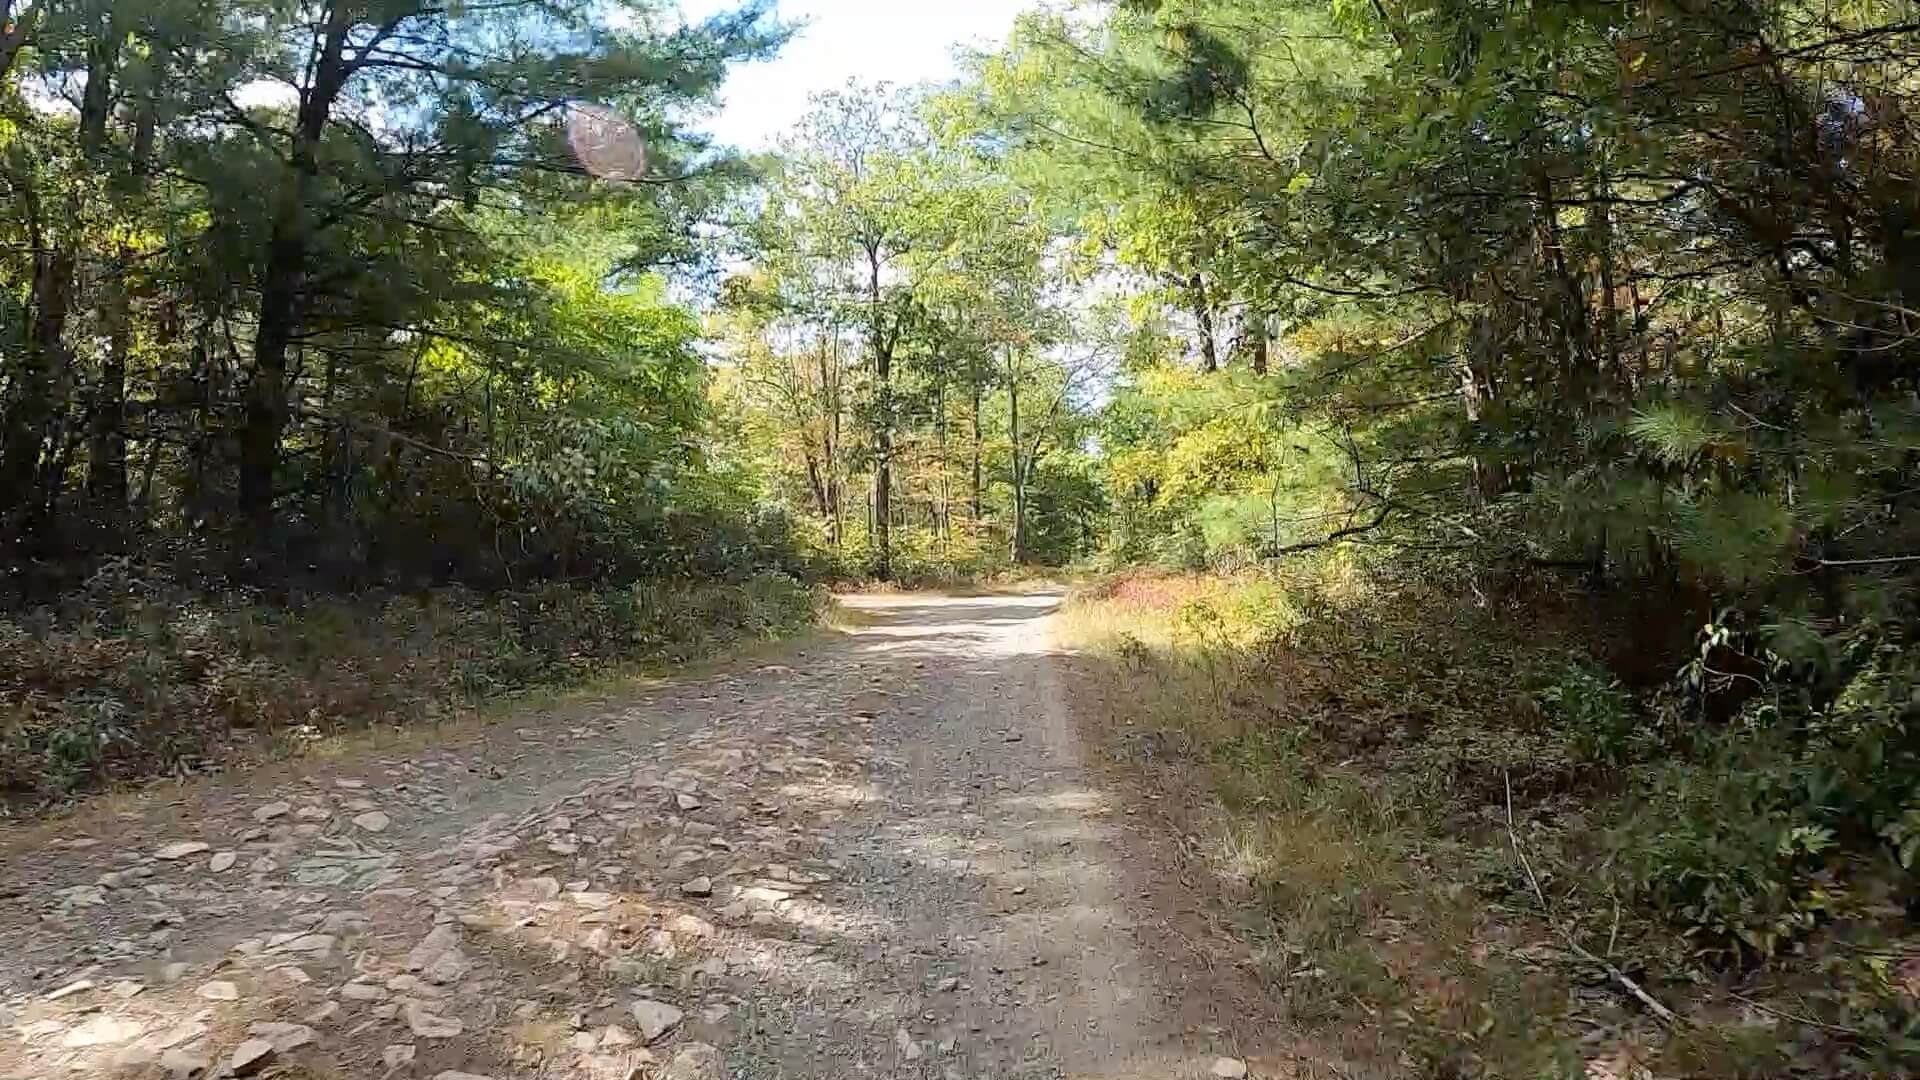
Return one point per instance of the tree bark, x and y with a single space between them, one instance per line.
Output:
1203 318
943 517
280 279
1257 329
22 481
829 483
1018 545
882 427
16 30
974 370
107 443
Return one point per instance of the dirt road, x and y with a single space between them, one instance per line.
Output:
881 855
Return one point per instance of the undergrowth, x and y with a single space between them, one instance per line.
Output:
134 677
1387 751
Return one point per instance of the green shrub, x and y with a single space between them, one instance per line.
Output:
1594 713
1756 836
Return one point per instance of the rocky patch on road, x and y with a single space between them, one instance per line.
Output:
843 870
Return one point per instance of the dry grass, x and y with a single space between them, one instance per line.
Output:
1367 926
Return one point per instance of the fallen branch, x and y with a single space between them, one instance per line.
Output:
1653 1005
1837 1029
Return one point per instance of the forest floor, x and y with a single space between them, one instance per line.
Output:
881 851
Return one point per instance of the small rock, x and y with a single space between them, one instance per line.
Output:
219 991
135 1056
222 861
101 1031
1229 1068
690 926
687 801
284 1037
373 821
250 1056
903 1041
288 975
413 984
78 986
397 1054
363 992
614 1035
181 850
700 886
270 811
325 1013
87 895
313 813
181 1064
428 1025
655 1018
183 1032
438 958
949 985
695 1061
126 988
455 1074
318 946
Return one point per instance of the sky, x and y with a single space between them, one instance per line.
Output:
898 41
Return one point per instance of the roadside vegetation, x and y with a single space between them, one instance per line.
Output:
321 413
1474 851
130 678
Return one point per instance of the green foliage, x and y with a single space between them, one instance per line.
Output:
903 339
271 321
1595 711
1357 721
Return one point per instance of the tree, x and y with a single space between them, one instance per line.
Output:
848 208
254 298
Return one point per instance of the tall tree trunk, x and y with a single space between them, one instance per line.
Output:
30 413
974 370
1257 329
281 277
817 486
16 29
829 483
882 428
1203 318
1018 546
107 437
44 367
107 444
944 515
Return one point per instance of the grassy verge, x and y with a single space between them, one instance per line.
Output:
1383 758
132 679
